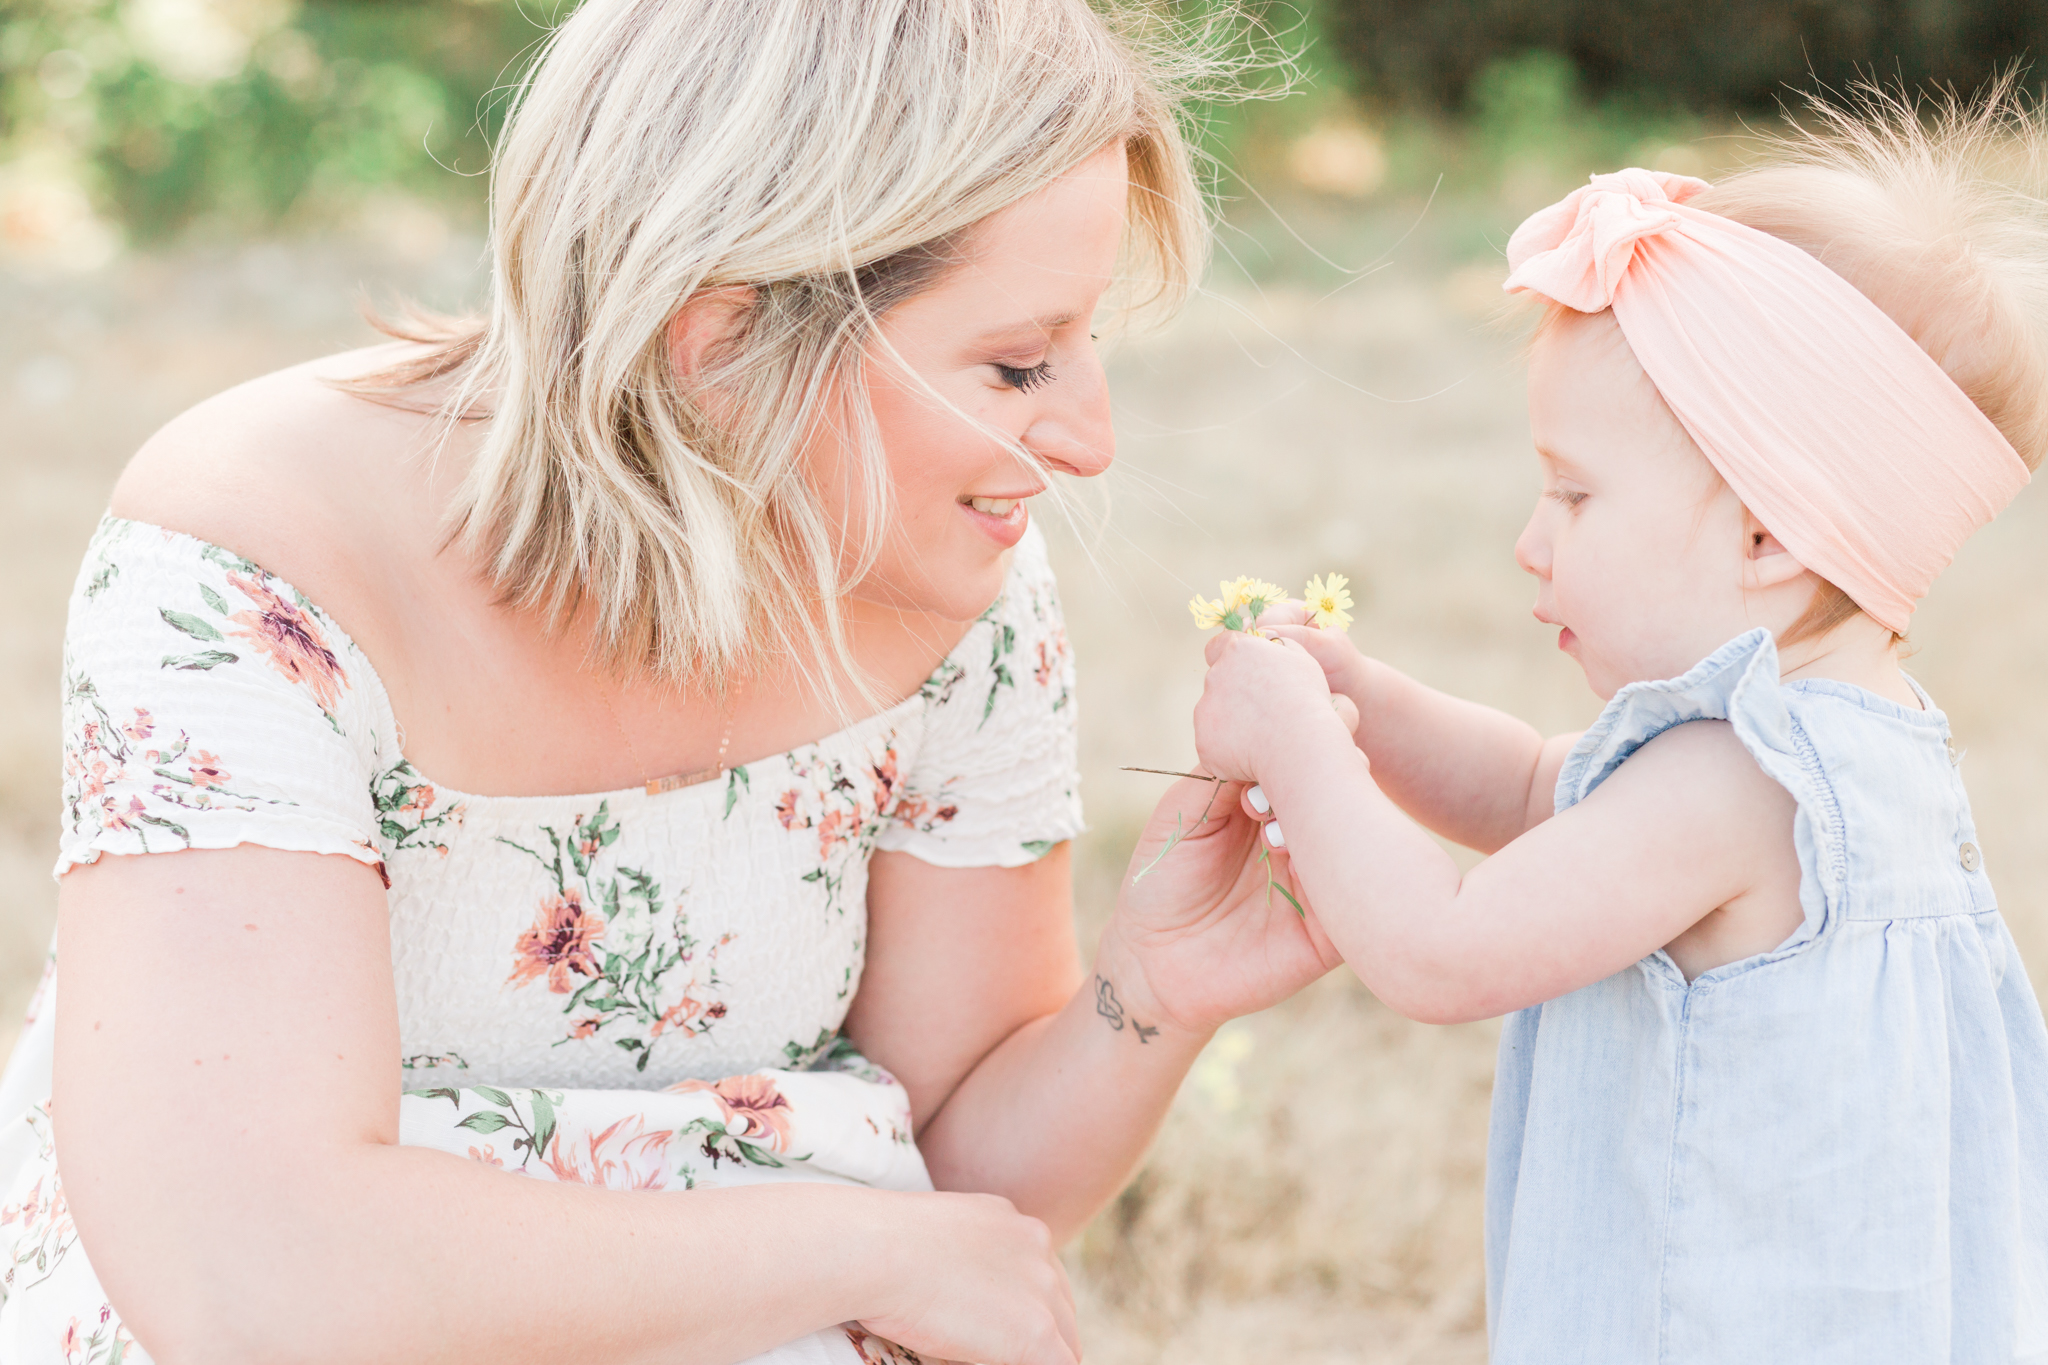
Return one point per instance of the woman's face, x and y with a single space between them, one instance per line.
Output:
999 348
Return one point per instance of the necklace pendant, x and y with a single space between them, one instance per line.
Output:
657 785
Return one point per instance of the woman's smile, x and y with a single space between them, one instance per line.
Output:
1001 519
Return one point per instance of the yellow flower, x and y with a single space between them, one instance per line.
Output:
1243 600
1329 602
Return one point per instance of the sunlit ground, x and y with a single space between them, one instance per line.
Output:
1316 1194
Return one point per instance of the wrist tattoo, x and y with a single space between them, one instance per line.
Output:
1112 1009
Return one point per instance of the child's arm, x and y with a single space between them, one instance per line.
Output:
1689 825
1477 776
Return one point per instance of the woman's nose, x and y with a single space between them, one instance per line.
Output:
1074 433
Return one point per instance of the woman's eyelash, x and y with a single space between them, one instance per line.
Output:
1025 380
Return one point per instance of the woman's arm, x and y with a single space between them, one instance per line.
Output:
1477 776
1031 1078
227 1132
1689 825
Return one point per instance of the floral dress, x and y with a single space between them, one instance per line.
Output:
621 989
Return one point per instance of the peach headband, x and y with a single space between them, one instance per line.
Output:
1831 424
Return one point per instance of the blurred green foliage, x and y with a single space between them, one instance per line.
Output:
158 115
1711 56
247 111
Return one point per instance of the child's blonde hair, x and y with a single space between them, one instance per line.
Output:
1928 209
827 155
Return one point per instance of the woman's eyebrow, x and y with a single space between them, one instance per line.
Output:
1045 324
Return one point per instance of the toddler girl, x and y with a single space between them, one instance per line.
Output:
1774 1087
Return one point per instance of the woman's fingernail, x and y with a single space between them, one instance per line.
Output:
1274 836
1257 796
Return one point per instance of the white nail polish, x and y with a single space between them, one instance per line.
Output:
1274 836
1257 796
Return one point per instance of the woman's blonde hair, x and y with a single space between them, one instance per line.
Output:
1931 209
828 155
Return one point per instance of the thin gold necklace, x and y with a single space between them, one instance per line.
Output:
657 785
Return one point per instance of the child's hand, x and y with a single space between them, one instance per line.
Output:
1261 694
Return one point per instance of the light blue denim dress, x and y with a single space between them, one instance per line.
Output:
1836 1151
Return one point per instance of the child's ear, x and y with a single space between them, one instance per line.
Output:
1766 563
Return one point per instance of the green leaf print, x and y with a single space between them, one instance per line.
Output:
801 1056
533 1138
214 599
161 823
610 927
722 1145
202 661
191 625
1001 647
735 782
1038 848
410 813
228 559
543 1123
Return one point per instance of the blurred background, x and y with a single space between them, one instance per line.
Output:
194 192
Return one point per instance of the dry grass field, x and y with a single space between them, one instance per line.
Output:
1315 1196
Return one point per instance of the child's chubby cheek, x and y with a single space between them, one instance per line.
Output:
1259 693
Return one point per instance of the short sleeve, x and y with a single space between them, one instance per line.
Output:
207 704
996 780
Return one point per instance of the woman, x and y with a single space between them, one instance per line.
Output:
720 518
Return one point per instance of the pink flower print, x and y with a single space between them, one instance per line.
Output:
754 1109
885 779
833 831
1051 654
785 810
685 1013
558 943
584 1028
291 640
206 769
420 798
24 1212
679 1015
487 1156
72 1343
140 728
113 817
618 1158
885 1352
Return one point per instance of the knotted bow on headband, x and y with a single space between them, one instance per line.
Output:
1835 429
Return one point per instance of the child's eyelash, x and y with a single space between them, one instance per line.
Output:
1566 496
1025 380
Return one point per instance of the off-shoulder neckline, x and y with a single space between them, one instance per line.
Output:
638 793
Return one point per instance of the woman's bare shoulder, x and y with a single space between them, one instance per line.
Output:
288 470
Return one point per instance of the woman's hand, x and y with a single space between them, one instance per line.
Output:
1207 926
970 1278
